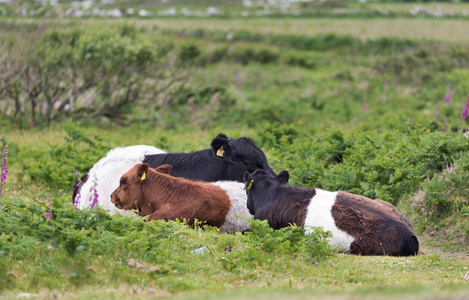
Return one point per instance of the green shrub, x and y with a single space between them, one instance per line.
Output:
106 72
53 167
247 54
446 192
305 60
387 165
421 64
189 52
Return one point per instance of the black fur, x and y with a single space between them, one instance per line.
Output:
239 155
77 186
271 199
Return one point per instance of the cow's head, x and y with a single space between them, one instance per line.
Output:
130 193
240 155
259 184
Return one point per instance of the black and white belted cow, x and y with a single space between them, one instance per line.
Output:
359 225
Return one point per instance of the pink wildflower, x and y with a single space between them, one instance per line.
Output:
238 78
466 109
4 168
364 106
94 196
449 93
78 195
4 175
48 215
386 85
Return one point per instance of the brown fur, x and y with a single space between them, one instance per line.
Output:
162 196
376 225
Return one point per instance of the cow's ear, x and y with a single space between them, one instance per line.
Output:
220 146
283 177
142 171
247 179
166 169
245 176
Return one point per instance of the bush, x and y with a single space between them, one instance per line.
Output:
420 64
305 60
445 193
53 167
91 73
247 54
387 165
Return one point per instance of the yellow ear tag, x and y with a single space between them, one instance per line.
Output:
248 186
220 152
144 176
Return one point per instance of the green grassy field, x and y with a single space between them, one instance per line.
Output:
353 104
402 28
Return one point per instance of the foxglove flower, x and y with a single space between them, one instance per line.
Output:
94 196
78 196
4 171
449 93
48 215
466 109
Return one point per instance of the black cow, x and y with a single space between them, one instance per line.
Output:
228 159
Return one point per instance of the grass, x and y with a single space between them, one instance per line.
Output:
448 7
443 30
339 277
428 29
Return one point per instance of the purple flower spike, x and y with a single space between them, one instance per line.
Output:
48 215
364 106
77 200
4 168
466 109
94 196
386 85
78 196
449 93
238 78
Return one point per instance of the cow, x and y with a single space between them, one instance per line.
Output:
359 225
103 177
226 160
157 194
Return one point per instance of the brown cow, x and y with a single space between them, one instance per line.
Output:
155 193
